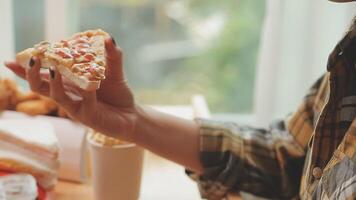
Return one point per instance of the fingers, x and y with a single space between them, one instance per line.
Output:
82 110
58 94
16 68
89 100
20 71
88 107
34 78
114 69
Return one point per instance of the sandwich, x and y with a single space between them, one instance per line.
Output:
30 147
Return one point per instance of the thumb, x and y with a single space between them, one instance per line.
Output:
114 66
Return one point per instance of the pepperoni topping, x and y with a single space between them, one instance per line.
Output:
63 53
89 57
81 40
76 54
82 52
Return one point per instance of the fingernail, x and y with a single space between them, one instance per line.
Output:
51 72
113 40
32 62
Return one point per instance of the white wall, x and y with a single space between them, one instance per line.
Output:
6 35
298 37
62 19
56 20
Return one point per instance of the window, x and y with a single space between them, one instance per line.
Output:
176 48
6 35
29 25
173 49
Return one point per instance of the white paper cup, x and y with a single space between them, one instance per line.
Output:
116 171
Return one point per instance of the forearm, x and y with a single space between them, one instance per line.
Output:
171 137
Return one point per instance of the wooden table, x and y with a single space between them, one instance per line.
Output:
70 191
162 179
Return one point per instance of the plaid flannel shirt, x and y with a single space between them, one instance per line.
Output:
309 155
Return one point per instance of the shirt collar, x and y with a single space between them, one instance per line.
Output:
348 39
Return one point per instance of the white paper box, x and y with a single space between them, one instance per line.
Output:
71 138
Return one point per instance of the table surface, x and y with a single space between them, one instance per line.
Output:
162 179
68 191
158 175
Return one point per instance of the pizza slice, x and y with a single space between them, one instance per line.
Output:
80 58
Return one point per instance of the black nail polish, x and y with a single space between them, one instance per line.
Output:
32 62
113 40
51 72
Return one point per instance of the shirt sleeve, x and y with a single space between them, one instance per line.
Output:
264 162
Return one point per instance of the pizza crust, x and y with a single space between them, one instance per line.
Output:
80 81
23 58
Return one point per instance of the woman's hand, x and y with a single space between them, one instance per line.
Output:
110 110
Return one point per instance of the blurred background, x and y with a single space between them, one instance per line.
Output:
252 59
